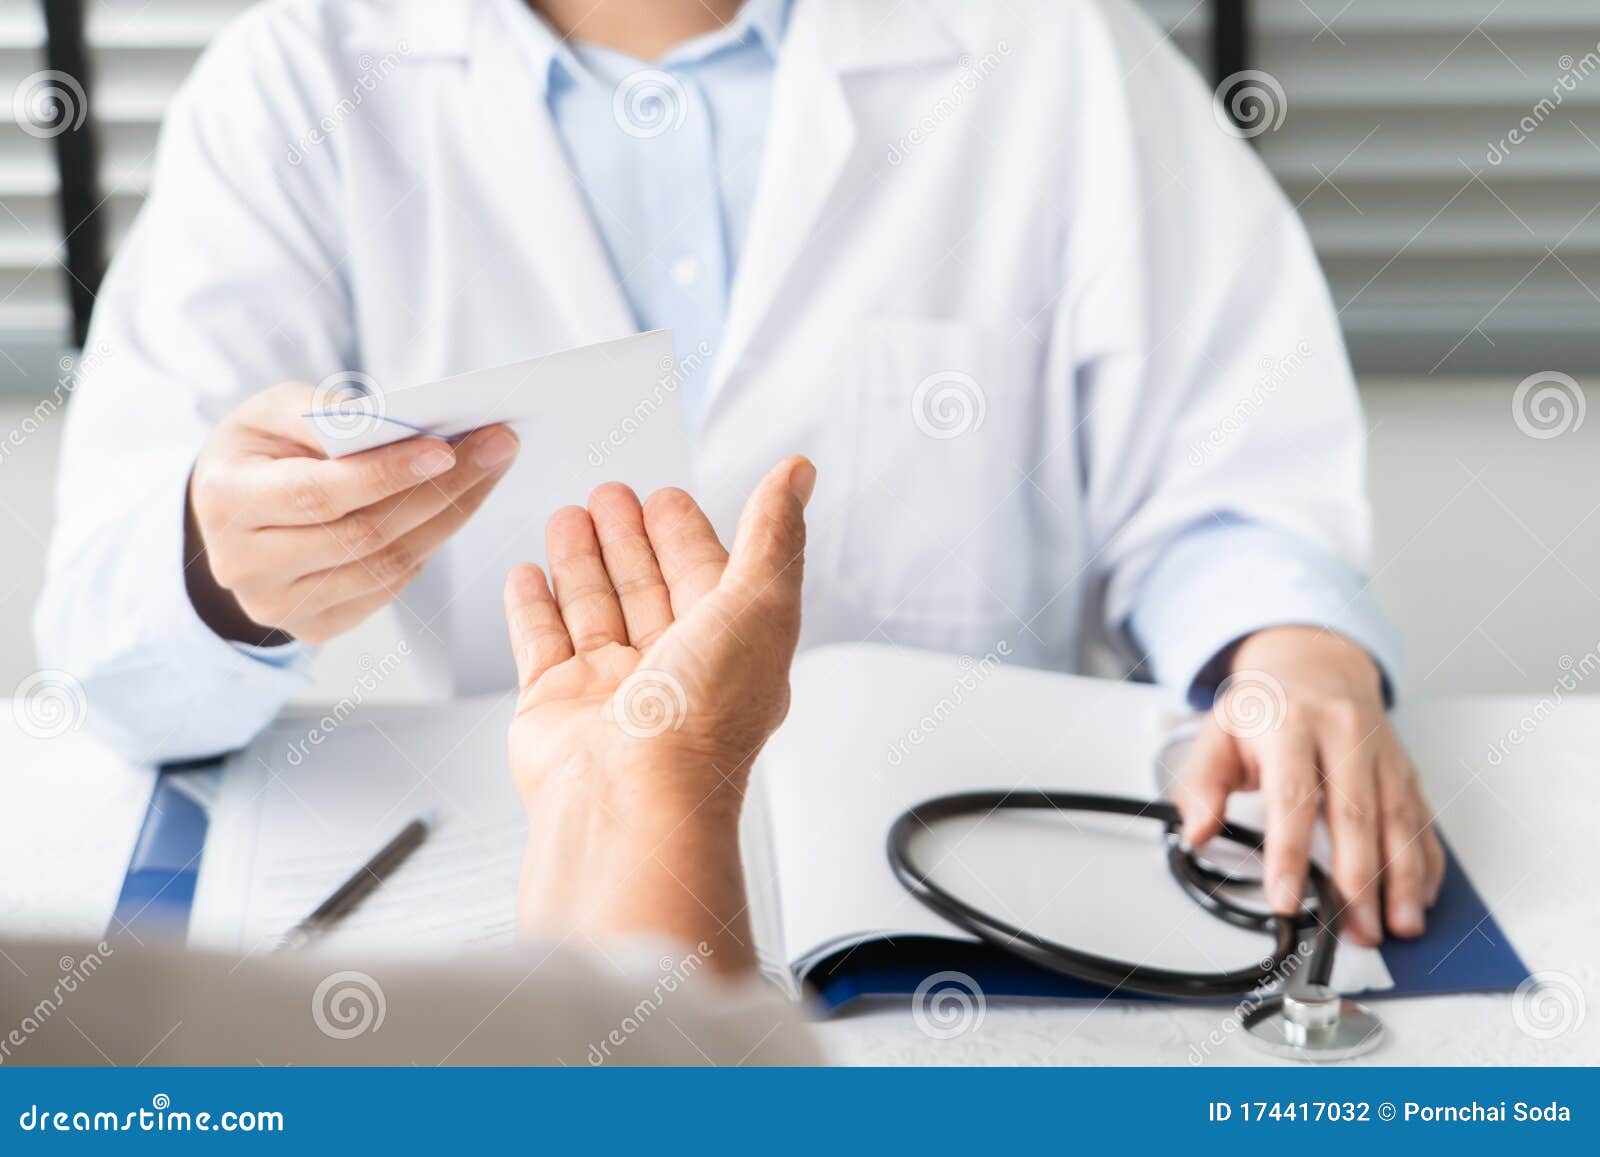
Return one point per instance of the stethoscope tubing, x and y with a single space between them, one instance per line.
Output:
1203 883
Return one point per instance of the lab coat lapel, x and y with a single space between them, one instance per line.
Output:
811 137
543 206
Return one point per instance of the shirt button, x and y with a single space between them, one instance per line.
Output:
686 271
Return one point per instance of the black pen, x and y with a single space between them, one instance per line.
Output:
359 886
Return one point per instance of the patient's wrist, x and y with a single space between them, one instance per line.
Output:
638 849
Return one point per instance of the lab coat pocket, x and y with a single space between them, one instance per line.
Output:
938 551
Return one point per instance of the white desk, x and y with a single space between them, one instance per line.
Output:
1528 833
1527 830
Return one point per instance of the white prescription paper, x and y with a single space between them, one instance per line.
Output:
296 817
562 390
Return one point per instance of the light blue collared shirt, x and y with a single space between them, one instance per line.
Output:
667 154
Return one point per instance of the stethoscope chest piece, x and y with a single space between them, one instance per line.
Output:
1313 1023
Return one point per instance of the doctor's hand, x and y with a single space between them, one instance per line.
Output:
649 680
283 541
1302 719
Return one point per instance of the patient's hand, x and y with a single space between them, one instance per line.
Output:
649 681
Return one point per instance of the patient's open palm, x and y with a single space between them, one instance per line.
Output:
658 660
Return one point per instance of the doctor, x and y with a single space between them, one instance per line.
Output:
1056 342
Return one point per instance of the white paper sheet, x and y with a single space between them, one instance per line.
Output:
72 813
565 390
873 730
293 820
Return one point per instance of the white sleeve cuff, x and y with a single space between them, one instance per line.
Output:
1223 580
160 684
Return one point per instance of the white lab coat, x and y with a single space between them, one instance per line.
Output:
1021 222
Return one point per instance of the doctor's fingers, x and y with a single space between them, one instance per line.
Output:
1286 764
1414 860
389 571
583 589
539 638
1211 773
687 549
631 562
299 550
1350 778
305 491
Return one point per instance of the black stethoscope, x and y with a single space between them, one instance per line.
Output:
1303 1020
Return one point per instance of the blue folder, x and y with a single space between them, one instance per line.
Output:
158 890
1464 949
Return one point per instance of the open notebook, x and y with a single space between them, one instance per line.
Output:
872 731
